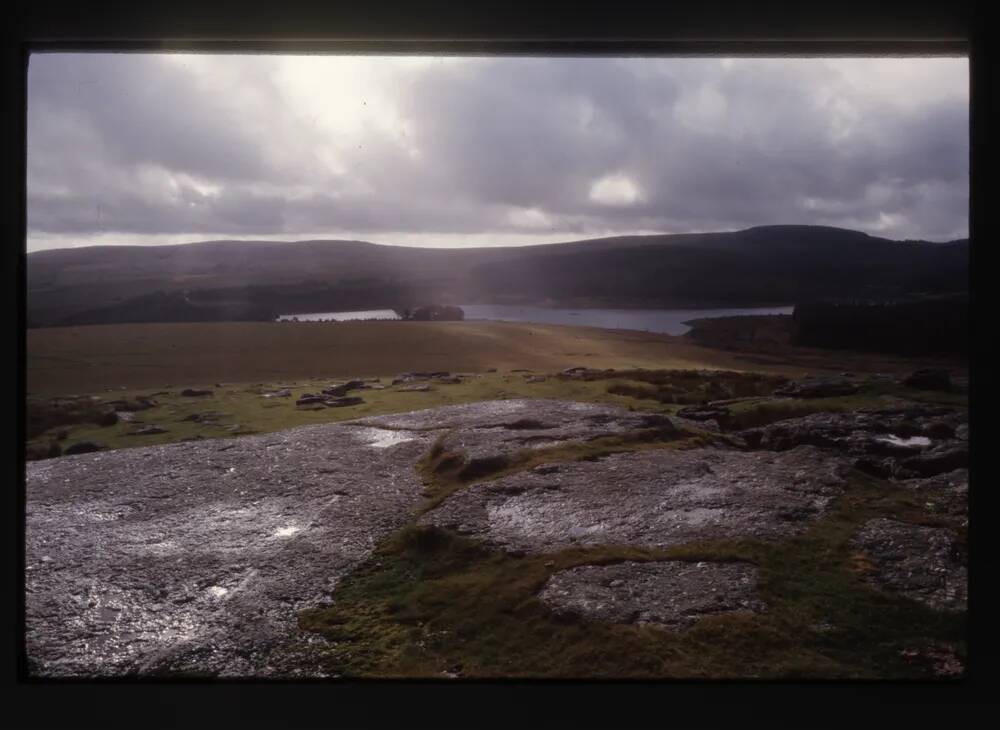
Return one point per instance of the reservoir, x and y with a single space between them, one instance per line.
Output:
340 316
664 321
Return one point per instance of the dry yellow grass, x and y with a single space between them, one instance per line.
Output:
92 359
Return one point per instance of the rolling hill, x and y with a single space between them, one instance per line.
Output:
248 280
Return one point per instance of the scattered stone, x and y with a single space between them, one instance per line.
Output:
422 388
345 401
125 416
196 417
310 399
491 370
148 431
195 393
922 563
818 387
719 414
928 379
449 380
279 394
84 447
671 594
535 379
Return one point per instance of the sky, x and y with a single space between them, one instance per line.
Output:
476 151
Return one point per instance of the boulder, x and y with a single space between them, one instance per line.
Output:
84 447
310 399
109 418
928 379
129 406
284 393
719 414
148 431
344 401
939 460
336 390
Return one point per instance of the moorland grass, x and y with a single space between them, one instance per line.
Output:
430 601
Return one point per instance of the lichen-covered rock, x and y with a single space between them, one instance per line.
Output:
901 432
196 556
654 498
671 594
922 563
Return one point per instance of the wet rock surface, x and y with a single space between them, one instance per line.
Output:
922 563
671 594
655 498
906 431
495 429
194 557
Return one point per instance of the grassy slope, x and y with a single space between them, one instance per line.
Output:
97 358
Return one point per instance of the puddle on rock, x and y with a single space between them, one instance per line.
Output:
899 441
382 438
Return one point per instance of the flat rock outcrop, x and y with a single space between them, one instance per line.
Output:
197 557
922 563
194 557
656 498
671 594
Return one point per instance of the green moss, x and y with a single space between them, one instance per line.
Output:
430 601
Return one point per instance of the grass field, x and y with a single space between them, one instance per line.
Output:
239 361
99 358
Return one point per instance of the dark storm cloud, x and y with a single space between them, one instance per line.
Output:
244 146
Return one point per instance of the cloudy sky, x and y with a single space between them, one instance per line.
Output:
158 148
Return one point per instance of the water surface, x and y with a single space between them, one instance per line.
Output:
664 321
340 316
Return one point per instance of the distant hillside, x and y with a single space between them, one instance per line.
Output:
226 280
